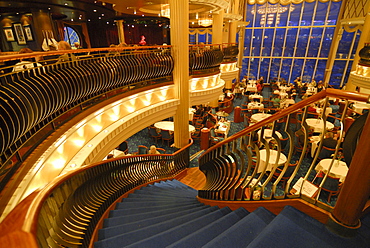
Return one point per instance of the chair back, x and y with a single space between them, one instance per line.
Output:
166 134
123 147
331 183
326 152
153 132
161 150
142 149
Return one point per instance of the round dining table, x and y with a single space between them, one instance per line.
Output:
318 125
259 117
269 164
339 168
255 105
170 126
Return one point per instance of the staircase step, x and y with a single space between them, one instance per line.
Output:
171 235
293 228
244 231
211 231
128 211
140 221
181 193
117 235
152 204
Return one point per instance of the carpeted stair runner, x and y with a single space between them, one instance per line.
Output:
167 214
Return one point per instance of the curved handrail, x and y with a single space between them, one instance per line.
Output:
106 181
233 167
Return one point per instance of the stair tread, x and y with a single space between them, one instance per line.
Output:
177 232
136 235
244 231
211 231
303 230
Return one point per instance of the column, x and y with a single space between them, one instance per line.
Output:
121 31
179 20
217 27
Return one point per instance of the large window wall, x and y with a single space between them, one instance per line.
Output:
290 41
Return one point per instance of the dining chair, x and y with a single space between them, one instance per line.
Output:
214 139
326 152
142 149
161 150
167 136
154 134
287 174
123 147
332 185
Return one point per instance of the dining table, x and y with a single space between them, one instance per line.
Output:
259 117
339 168
170 126
255 105
267 164
318 125
267 134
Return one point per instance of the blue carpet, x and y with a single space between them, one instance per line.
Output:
173 225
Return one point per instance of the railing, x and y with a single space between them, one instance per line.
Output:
230 51
205 59
36 101
234 169
65 213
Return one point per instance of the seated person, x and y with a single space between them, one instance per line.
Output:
63 45
329 142
275 101
153 150
25 63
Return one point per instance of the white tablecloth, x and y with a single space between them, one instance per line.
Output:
311 90
328 110
251 88
267 134
272 160
314 142
223 128
169 125
339 168
318 124
255 96
359 106
191 114
259 117
255 105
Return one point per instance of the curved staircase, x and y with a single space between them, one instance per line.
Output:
167 214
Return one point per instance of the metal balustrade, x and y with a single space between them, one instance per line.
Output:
234 168
67 211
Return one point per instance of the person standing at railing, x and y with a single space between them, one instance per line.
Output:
63 45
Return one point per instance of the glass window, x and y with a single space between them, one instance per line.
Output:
267 42
279 42
282 15
297 69
326 42
247 41
290 42
315 41
320 14
251 10
320 69
275 68
302 42
254 68
358 34
285 69
71 36
264 71
308 13
192 39
309 69
345 45
295 15
333 13
202 37
257 39
337 72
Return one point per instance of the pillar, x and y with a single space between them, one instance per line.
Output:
217 27
121 31
179 20
204 138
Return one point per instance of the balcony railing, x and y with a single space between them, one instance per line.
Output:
66 212
237 170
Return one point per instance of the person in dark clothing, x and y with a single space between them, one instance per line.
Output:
328 142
